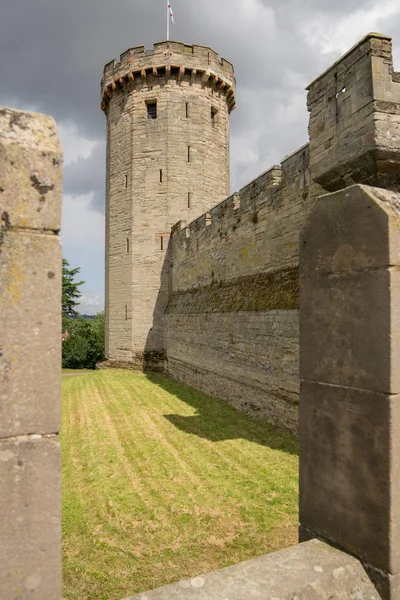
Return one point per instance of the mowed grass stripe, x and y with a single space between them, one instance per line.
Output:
131 463
162 483
134 431
194 466
234 452
144 426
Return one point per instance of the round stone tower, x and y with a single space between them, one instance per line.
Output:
167 160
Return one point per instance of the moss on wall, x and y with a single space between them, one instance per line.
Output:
261 292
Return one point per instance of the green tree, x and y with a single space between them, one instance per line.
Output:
85 344
74 352
70 292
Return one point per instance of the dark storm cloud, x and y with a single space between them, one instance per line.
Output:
52 51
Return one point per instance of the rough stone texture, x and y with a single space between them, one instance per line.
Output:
30 356
188 83
309 571
355 118
30 171
349 365
351 250
30 325
229 278
351 462
232 317
30 509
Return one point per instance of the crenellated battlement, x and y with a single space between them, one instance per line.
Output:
264 191
169 61
354 137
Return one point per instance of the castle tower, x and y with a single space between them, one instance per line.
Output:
167 161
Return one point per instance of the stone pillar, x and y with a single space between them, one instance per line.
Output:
30 357
350 379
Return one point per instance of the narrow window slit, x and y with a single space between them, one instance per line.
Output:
189 199
126 312
214 113
187 110
162 243
126 181
161 175
188 155
127 245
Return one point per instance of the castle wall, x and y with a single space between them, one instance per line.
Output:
232 321
232 325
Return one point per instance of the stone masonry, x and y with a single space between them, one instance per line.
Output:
350 378
167 160
226 314
30 357
232 325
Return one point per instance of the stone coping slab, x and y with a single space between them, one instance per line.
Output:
308 571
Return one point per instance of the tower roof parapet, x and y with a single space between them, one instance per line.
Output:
194 59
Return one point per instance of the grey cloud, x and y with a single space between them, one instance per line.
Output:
85 176
52 54
322 6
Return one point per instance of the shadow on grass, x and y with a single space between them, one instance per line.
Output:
217 421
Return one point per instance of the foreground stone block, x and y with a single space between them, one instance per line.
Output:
348 491
30 357
30 518
309 571
30 171
30 338
350 328
350 382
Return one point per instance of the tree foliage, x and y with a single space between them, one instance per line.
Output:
70 291
85 345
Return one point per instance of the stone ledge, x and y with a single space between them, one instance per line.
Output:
308 571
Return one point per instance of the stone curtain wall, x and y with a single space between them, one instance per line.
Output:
232 324
232 319
30 357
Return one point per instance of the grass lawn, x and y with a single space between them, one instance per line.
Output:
161 482
74 372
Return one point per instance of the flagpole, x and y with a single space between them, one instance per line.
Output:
167 20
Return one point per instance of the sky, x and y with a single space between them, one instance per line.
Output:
52 54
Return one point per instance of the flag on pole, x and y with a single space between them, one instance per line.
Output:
171 14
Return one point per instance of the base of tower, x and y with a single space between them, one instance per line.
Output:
141 361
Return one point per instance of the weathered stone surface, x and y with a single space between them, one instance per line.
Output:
231 325
30 519
159 171
350 288
354 125
343 236
258 376
349 461
350 334
30 357
310 571
30 339
30 171
349 365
